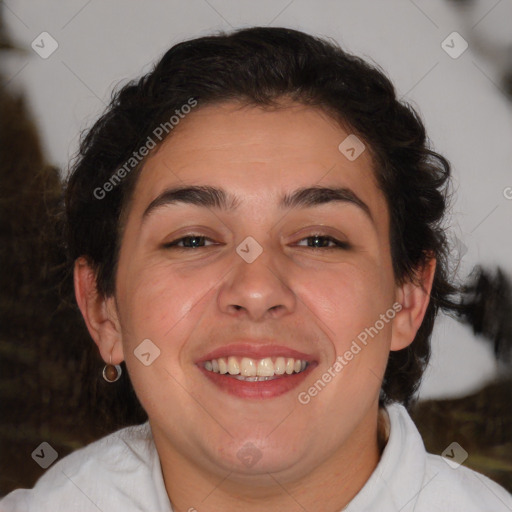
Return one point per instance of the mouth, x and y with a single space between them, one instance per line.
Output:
256 372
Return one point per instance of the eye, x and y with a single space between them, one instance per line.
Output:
194 241
191 241
321 242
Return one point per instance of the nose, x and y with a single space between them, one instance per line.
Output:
258 289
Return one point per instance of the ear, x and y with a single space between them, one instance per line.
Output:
414 299
99 312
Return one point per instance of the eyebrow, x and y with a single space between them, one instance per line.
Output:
212 197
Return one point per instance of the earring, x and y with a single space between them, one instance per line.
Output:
112 372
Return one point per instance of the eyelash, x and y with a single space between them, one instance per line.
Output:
338 243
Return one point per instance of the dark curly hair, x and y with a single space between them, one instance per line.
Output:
264 66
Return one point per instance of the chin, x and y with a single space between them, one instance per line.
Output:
252 458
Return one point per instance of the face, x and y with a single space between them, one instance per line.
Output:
259 282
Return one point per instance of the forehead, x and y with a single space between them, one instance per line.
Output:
257 154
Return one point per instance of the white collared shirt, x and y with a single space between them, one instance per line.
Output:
121 473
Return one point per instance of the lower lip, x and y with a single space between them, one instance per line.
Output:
259 389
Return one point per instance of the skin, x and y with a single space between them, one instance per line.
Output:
315 456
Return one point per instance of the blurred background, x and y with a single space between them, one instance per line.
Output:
451 59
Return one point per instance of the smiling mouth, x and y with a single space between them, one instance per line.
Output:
255 370
256 378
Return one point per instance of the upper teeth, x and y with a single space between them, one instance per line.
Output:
248 367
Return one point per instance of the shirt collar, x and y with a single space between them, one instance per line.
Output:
397 480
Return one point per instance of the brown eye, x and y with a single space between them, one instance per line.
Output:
322 242
191 241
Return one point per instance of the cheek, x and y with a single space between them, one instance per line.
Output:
164 307
347 299
161 303
348 304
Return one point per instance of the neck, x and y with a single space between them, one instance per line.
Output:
329 486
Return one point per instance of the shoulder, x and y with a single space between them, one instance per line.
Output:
446 484
121 469
461 488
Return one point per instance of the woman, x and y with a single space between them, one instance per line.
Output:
256 231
